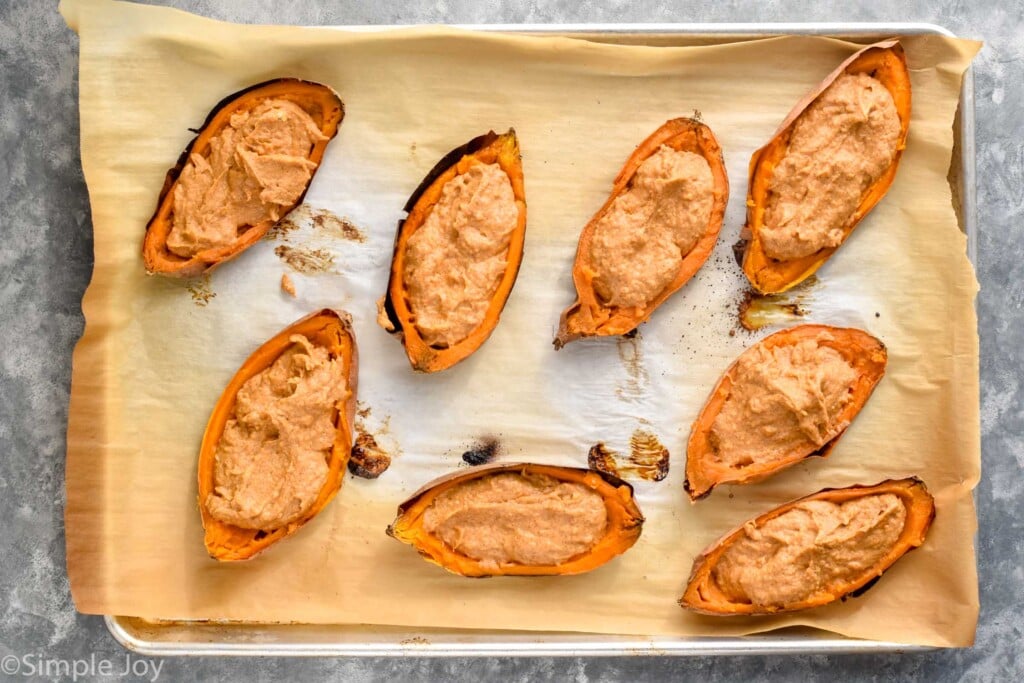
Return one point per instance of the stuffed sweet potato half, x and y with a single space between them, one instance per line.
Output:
812 551
788 397
250 164
657 228
277 443
830 162
520 520
457 253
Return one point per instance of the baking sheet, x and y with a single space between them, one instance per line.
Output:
132 523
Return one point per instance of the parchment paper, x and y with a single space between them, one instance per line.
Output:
153 361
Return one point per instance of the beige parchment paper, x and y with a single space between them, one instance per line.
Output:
153 361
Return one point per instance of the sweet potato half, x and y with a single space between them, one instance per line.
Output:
331 330
590 316
864 352
321 103
624 522
887 63
704 595
396 315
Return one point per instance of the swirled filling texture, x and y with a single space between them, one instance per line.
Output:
639 243
841 144
272 460
530 519
257 168
455 260
784 399
816 547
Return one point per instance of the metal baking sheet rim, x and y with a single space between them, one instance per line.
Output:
182 638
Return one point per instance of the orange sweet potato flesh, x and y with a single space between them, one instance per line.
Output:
395 314
331 330
319 101
884 61
703 594
864 352
625 522
589 316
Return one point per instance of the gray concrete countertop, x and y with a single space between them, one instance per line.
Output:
46 261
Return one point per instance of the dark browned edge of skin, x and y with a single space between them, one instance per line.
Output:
175 171
859 591
447 161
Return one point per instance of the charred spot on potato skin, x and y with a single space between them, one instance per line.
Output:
482 453
367 459
259 535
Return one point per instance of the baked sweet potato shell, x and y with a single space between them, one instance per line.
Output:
887 63
395 313
321 103
624 522
331 330
589 315
864 352
703 594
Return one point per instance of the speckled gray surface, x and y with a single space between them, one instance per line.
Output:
46 261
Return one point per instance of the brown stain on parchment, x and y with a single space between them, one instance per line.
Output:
321 220
630 353
336 226
284 227
648 458
757 311
306 261
201 291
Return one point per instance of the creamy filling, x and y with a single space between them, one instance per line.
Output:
783 400
257 168
640 241
272 460
841 144
507 518
816 547
455 261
